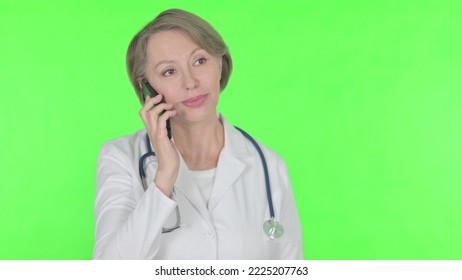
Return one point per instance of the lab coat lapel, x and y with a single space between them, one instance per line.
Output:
230 165
187 186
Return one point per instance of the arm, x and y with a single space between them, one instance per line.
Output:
126 228
289 246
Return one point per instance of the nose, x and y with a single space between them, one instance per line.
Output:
189 81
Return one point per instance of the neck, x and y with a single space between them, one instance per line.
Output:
200 143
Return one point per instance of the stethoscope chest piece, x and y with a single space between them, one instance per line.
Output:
273 228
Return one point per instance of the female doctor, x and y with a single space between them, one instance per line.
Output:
202 192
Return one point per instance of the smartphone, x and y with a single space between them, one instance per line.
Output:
148 90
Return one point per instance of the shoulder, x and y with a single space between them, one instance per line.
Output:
276 165
126 145
243 142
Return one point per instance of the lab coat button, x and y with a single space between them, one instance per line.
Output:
210 235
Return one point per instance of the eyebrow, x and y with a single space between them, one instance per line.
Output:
170 61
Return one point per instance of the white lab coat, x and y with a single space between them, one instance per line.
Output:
129 220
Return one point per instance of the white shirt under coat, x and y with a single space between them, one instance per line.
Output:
129 220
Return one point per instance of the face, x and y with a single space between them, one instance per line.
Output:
185 74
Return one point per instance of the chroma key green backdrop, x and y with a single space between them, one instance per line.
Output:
362 98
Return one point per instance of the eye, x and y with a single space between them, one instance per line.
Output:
200 61
168 72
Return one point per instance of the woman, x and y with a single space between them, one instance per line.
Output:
204 194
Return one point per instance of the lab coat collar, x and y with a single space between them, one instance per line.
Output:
230 167
235 143
230 163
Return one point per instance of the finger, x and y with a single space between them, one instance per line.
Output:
162 123
158 111
160 107
149 104
151 117
152 101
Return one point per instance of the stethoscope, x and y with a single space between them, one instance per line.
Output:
272 227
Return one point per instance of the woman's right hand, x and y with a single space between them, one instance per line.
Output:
168 160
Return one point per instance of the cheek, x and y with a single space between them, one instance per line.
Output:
170 96
168 91
212 78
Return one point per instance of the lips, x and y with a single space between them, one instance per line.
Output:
195 101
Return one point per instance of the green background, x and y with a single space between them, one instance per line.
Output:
362 98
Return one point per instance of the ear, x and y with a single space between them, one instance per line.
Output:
220 65
139 81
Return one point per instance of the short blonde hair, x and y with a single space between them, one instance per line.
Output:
200 31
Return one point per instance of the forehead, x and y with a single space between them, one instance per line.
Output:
169 44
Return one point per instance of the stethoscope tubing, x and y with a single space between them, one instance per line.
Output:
269 197
265 170
141 162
